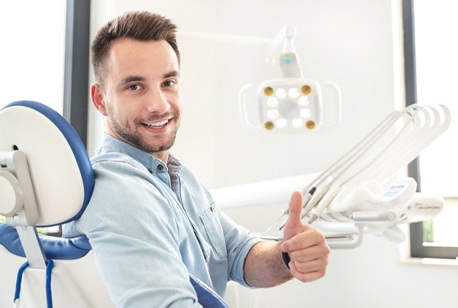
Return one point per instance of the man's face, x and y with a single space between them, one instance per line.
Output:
140 95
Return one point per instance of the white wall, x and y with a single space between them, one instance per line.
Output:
355 43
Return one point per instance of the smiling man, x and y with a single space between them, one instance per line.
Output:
150 221
142 105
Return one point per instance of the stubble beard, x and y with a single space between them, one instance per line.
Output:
131 136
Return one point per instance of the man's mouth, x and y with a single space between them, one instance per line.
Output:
156 124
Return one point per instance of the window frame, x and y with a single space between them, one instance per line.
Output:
418 249
76 71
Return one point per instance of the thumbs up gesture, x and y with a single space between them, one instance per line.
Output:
306 247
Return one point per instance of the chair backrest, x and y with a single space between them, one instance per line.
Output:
46 179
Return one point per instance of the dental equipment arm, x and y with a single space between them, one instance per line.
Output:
358 191
352 211
289 61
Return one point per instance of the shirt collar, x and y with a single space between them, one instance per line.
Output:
111 144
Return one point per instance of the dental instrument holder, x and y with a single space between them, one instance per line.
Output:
292 104
379 210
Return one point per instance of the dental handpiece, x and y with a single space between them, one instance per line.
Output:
324 202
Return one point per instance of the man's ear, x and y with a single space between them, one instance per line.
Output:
98 99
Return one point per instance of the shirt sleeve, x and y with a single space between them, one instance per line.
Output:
239 242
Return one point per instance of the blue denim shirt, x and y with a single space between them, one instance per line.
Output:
152 224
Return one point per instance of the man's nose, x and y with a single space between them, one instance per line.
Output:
158 102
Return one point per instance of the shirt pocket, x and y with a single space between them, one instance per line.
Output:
214 231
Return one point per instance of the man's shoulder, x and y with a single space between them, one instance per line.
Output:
114 159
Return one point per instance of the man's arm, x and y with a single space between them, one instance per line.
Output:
264 266
306 247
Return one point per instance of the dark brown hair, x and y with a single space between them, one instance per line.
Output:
141 25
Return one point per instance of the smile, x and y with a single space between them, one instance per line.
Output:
157 124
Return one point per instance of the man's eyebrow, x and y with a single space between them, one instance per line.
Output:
172 74
129 79
135 78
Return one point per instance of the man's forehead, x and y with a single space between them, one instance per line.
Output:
129 57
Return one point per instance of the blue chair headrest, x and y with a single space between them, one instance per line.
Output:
58 161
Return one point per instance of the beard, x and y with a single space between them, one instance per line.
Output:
131 136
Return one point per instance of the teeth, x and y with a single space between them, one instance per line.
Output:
157 124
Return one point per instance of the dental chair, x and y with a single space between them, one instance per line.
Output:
46 179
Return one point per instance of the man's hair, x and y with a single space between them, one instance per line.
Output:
143 26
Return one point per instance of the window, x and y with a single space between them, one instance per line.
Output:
32 54
45 57
431 66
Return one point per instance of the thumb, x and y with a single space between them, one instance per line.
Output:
294 223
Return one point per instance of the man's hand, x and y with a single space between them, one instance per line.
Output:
306 246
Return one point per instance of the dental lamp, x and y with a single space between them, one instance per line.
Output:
293 103
360 192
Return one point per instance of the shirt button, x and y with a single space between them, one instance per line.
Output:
160 167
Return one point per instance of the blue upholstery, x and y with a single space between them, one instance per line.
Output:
70 249
207 297
53 247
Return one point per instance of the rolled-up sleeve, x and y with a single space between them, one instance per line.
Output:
239 242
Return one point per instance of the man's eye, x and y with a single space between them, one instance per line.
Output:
134 87
169 83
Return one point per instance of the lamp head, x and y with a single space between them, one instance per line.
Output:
291 104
